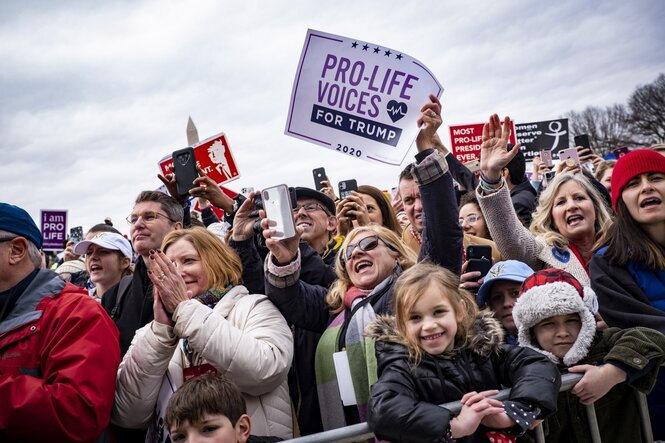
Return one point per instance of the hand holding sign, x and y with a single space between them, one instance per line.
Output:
494 154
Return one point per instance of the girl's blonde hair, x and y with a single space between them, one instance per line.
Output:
404 255
542 224
413 283
220 263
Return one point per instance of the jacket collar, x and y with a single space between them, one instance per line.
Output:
46 283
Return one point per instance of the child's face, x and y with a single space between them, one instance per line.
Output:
501 301
432 323
213 428
558 334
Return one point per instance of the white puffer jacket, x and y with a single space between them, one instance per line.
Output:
244 337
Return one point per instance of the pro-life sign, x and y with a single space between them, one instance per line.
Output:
550 135
54 229
358 98
213 156
465 141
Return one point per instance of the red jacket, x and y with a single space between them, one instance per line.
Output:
59 355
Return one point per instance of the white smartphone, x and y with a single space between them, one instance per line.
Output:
278 207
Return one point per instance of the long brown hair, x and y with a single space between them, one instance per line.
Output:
388 217
628 241
413 283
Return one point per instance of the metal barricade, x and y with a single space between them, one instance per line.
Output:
361 431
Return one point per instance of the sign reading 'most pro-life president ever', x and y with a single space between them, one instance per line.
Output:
358 98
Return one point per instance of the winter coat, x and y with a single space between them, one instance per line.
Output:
621 302
130 306
58 358
516 242
640 351
244 337
404 402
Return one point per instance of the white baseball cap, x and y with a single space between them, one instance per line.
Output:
108 240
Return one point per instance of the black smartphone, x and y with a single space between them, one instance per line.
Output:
583 141
76 234
184 168
479 252
346 187
319 175
480 259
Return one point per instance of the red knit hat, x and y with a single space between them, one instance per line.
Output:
631 165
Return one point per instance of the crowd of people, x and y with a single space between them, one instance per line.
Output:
200 329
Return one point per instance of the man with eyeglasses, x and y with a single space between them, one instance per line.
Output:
129 303
59 351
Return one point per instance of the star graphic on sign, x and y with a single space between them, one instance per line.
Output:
387 53
354 44
376 50
398 56
365 47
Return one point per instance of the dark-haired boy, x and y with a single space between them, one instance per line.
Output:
210 408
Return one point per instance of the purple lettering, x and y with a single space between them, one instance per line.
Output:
407 85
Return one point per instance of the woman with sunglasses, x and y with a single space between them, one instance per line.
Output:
368 263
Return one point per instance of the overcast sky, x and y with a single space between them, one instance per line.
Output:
93 94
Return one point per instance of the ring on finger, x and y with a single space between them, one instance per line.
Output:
162 276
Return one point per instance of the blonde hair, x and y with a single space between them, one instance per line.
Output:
220 263
542 224
413 283
405 257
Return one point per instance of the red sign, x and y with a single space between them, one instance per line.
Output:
213 156
465 141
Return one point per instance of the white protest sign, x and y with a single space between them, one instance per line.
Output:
359 98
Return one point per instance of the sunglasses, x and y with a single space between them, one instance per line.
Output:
366 244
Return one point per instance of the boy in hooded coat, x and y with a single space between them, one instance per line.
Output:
554 315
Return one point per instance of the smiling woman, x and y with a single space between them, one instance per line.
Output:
569 223
205 322
629 274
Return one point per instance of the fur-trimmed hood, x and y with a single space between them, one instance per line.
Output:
484 337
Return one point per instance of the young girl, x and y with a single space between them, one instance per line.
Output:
437 349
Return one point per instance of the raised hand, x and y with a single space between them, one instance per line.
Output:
243 224
207 188
429 121
283 250
494 154
328 189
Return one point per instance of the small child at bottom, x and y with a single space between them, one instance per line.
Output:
554 315
437 349
210 408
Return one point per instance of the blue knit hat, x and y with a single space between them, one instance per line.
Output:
17 221
509 270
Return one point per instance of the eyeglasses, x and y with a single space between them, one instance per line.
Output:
366 244
309 207
148 217
470 219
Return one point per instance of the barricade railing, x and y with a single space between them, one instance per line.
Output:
362 432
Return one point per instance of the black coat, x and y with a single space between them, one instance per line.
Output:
524 198
403 405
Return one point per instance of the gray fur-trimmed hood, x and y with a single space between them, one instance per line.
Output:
484 337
